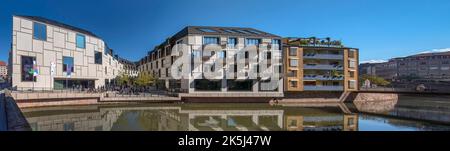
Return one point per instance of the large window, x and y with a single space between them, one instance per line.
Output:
27 68
39 31
234 85
207 85
68 64
252 41
210 40
81 41
98 57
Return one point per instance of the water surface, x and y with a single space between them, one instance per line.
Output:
410 113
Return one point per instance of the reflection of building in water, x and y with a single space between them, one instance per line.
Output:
319 121
192 118
234 120
70 118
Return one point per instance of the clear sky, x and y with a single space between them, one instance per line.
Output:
380 28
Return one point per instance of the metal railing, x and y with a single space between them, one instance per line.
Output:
142 94
407 88
324 88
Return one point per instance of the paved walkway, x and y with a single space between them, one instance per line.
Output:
3 120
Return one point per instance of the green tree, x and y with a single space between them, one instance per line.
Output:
123 79
144 79
373 80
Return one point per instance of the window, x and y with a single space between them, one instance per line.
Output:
210 40
229 31
352 53
39 31
293 62
207 30
222 54
68 65
81 41
167 72
98 57
232 42
352 84
246 55
27 68
292 73
293 84
352 74
269 55
351 64
292 51
277 43
196 53
252 41
253 32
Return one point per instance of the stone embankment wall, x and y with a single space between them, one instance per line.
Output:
368 97
375 102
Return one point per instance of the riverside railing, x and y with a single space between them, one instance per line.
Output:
143 94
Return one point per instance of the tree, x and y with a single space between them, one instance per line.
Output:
144 79
123 79
374 80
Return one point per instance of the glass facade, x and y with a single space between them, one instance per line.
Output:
39 31
81 41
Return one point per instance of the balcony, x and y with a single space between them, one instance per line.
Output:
323 56
322 77
323 88
323 67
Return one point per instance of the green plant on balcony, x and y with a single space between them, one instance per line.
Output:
336 73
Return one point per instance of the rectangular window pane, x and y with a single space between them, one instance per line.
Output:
39 31
293 84
232 42
252 41
27 68
293 62
292 51
98 57
276 43
68 64
81 41
210 40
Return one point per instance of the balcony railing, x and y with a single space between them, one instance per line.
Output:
322 77
323 56
323 67
323 88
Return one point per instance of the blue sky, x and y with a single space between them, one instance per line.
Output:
380 28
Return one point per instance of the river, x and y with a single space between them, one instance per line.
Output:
409 113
